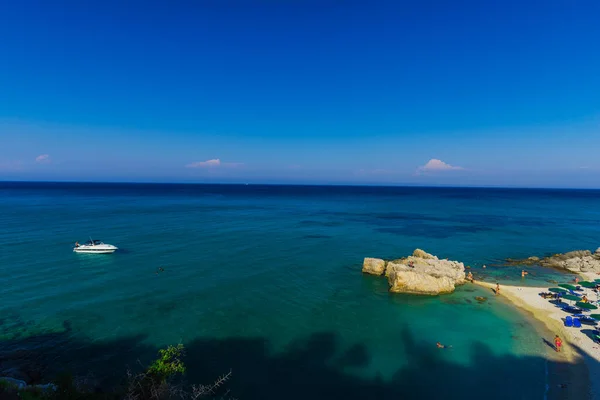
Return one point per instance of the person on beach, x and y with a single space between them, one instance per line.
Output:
557 343
584 299
576 280
470 277
411 264
497 288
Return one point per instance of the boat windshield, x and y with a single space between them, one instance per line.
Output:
93 242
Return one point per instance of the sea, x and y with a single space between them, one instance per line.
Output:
263 284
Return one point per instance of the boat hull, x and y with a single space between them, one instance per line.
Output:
95 251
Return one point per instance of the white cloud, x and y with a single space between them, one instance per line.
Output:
435 165
42 159
214 163
205 164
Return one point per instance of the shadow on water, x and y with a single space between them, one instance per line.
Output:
315 367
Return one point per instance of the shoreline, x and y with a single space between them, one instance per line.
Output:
579 352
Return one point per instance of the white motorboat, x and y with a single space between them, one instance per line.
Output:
94 247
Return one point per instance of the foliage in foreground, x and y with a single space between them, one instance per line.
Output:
162 380
168 364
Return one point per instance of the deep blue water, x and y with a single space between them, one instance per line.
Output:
266 281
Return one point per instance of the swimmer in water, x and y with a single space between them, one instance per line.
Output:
440 346
160 269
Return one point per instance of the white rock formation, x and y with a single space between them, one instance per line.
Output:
421 273
374 266
574 261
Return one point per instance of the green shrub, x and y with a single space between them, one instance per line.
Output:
168 364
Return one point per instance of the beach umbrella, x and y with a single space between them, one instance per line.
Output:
595 316
586 306
589 285
570 297
567 286
557 290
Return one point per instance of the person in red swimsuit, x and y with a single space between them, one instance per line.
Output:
557 343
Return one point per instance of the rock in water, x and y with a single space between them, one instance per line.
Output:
574 261
418 253
418 283
421 273
525 261
373 266
430 276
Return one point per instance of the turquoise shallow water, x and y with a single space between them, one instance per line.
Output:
266 281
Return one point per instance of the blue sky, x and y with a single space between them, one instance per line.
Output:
495 93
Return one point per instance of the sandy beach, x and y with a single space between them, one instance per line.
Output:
578 346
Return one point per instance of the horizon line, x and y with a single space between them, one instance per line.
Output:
400 185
